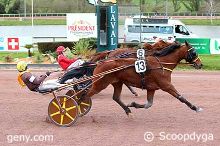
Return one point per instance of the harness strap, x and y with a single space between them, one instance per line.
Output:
161 65
167 69
196 59
99 75
106 57
142 80
124 55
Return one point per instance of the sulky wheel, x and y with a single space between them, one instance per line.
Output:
67 114
84 104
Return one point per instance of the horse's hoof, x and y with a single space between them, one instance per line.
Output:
130 116
199 109
136 95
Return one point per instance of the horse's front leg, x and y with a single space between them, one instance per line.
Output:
150 97
149 103
176 94
116 96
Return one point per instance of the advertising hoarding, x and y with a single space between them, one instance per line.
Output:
202 45
81 25
215 46
17 44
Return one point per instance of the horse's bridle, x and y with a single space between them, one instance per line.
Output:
192 56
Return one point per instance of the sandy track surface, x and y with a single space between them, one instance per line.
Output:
23 113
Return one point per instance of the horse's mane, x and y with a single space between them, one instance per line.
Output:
167 50
96 54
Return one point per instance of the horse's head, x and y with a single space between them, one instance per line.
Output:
161 44
192 56
99 56
147 46
157 46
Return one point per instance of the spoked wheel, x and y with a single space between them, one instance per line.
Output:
67 114
84 104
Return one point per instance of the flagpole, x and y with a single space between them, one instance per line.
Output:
95 2
32 13
140 23
25 9
32 20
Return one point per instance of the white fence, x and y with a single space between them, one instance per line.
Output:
120 14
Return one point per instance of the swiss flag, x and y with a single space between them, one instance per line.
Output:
13 43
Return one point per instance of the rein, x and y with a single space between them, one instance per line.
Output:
171 63
99 75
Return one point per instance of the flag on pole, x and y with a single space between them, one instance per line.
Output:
93 2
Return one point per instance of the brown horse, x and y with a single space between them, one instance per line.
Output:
157 46
130 52
158 75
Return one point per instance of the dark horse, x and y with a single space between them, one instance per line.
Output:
158 75
129 52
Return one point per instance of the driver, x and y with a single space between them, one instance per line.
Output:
177 29
33 82
66 63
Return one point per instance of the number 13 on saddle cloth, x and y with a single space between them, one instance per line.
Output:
140 64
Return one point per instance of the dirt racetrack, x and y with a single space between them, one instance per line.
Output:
171 122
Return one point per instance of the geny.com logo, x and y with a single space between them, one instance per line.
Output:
29 138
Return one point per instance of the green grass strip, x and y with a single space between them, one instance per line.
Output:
36 22
215 22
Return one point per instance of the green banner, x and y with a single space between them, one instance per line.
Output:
107 27
202 45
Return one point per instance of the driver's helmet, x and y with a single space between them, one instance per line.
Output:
60 49
21 66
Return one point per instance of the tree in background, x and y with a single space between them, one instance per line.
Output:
176 5
2 9
158 6
124 2
212 6
6 4
28 47
192 5
16 8
82 6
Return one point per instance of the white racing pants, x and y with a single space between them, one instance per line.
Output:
77 63
49 84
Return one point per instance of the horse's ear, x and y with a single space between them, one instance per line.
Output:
147 46
186 43
177 42
162 41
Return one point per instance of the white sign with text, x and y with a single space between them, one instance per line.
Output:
81 25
